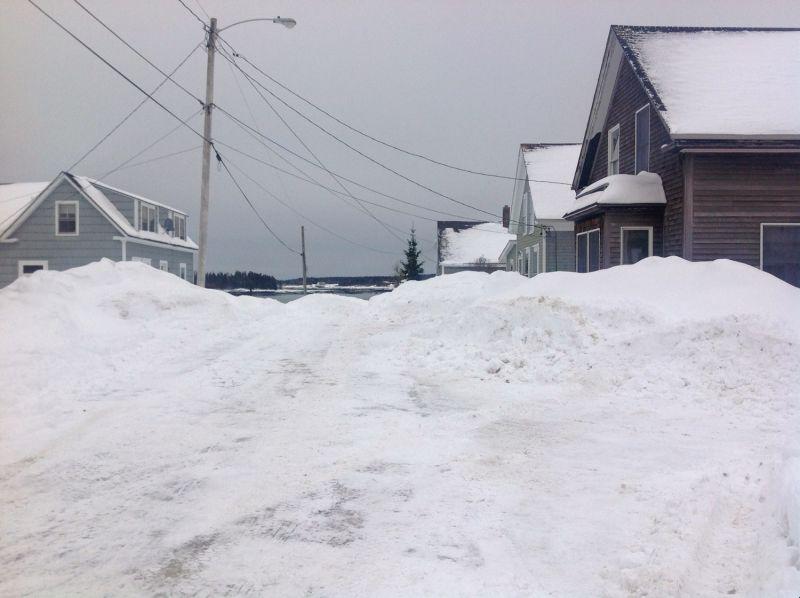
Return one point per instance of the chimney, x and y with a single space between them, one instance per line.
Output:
506 216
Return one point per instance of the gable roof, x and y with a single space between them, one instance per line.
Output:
709 83
548 168
92 192
469 245
712 82
14 199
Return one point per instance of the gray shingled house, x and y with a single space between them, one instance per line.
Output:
73 221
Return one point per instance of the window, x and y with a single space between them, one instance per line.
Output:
142 260
66 218
780 251
534 262
613 150
587 251
182 271
163 265
643 139
147 217
30 266
180 226
636 243
519 263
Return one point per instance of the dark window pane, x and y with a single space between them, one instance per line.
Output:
594 250
781 255
67 219
643 140
581 252
31 268
635 245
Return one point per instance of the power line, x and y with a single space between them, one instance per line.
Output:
310 151
380 141
359 152
124 164
132 112
253 207
162 157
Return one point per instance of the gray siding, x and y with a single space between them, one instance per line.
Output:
173 257
123 203
561 251
37 239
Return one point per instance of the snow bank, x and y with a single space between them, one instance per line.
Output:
622 433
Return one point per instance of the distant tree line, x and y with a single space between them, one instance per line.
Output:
240 280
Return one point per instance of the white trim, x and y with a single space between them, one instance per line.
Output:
622 230
611 131
636 138
544 251
66 202
182 271
138 241
148 206
22 263
163 265
142 260
537 269
587 232
761 239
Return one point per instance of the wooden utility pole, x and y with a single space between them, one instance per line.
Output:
303 255
204 182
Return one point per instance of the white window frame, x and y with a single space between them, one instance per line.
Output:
519 262
142 260
182 270
611 131
586 234
622 230
636 139
144 205
182 218
22 263
58 204
163 265
761 239
533 264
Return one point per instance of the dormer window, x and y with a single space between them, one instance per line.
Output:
613 150
643 139
147 218
66 218
180 226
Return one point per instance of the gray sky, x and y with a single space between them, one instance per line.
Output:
462 81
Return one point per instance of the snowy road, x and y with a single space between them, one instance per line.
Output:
598 435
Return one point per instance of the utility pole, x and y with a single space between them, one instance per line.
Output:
204 183
303 255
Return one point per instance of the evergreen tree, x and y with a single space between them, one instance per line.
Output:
411 268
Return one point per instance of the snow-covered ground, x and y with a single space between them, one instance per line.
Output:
629 432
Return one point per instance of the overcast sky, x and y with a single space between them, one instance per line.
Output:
464 82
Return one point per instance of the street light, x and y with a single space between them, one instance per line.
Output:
209 104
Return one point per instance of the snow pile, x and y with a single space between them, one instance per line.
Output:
725 82
547 165
482 243
14 198
623 433
622 189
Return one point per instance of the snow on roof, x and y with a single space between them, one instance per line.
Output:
731 82
622 189
14 198
93 189
472 245
556 163
97 183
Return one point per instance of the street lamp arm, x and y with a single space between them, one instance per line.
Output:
288 23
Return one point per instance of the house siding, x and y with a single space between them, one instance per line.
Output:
126 205
173 256
628 97
733 194
616 218
36 238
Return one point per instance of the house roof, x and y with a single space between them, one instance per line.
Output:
707 84
92 190
644 188
710 82
549 168
469 246
14 198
